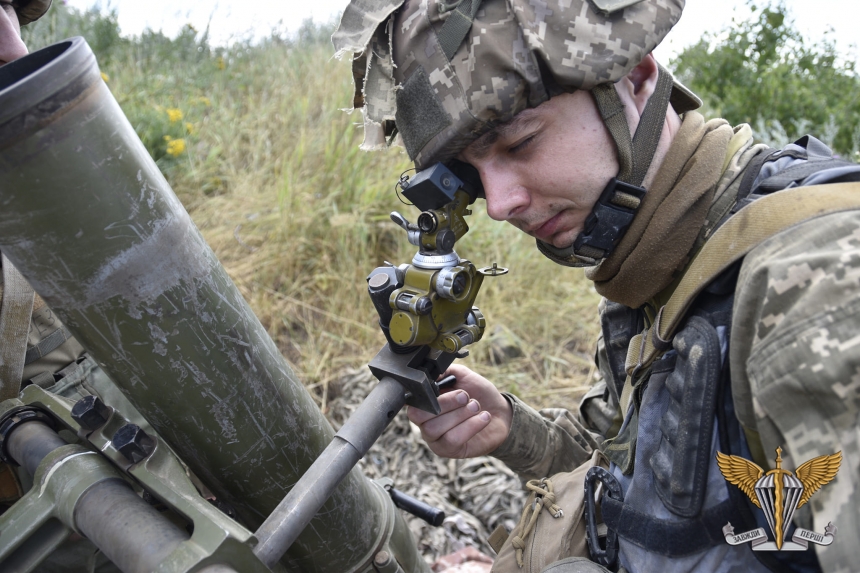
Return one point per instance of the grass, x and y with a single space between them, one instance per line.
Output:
271 173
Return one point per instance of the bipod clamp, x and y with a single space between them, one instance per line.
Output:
417 372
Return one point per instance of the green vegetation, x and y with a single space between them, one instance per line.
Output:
762 71
270 170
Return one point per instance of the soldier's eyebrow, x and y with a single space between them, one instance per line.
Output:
510 129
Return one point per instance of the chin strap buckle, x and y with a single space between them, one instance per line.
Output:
609 220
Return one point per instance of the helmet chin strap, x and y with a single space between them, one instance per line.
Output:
619 201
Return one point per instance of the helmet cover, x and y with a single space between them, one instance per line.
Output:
514 55
31 11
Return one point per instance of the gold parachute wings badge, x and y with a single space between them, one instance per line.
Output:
779 493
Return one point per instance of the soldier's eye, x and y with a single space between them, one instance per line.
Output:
521 145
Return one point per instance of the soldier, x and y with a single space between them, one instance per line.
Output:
584 142
11 46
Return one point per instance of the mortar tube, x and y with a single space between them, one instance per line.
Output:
94 227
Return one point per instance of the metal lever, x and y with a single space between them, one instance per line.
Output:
432 515
401 221
446 381
413 233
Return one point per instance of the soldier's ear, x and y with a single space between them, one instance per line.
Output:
638 85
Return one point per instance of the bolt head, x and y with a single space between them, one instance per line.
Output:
378 281
91 413
133 443
382 558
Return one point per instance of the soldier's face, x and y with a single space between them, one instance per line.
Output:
544 170
11 46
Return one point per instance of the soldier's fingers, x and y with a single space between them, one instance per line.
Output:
448 401
435 428
455 442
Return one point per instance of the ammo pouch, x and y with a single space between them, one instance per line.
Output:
540 538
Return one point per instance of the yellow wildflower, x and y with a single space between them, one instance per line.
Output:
203 100
175 147
174 114
105 77
220 63
189 127
167 138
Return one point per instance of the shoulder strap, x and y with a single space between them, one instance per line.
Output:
750 227
17 308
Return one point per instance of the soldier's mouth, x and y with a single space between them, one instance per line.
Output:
548 228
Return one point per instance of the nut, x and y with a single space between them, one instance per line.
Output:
133 443
91 413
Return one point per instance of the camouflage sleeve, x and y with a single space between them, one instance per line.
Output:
795 362
544 443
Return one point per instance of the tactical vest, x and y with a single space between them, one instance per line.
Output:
674 501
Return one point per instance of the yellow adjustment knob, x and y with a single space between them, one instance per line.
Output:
451 343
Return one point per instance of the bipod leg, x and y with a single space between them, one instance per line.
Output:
403 379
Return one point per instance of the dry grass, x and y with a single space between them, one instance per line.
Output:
299 216
272 175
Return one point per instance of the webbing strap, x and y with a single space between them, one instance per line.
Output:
47 345
670 538
635 154
799 172
627 391
651 124
15 314
612 111
743 232
454 30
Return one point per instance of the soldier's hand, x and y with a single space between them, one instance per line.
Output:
475 417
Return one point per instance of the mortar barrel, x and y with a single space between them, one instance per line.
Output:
88 219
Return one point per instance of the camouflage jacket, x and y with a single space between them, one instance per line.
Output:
794 361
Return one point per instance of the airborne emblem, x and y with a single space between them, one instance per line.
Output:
779 493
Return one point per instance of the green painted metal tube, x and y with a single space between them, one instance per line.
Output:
88 219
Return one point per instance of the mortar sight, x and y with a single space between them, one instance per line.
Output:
435 187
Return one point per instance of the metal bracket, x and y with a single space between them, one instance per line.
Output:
216 538
417 372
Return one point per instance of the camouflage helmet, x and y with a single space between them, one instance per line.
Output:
438 74
32 10
443 72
